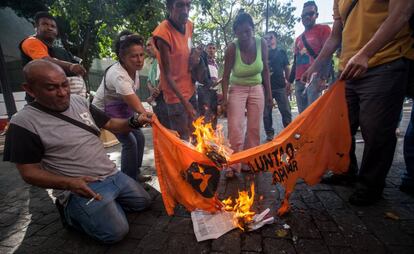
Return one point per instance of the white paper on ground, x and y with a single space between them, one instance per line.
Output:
211 226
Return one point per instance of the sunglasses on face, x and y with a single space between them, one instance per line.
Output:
310 14
269 38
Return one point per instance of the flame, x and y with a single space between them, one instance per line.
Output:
209 139
241 208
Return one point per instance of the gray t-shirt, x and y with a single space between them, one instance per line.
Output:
59 146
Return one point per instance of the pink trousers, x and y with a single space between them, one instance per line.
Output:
241 99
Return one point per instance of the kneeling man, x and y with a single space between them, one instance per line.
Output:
55 143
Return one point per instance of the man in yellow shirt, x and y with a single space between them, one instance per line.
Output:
376 42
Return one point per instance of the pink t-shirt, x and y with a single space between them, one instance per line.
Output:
315 37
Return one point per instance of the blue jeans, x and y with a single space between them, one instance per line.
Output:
408 177
105 220
284 108
306 98
132 152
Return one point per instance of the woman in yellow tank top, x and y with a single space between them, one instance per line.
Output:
245 69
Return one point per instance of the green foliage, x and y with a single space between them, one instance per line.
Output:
87 27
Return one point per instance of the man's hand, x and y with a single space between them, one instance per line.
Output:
79 185
321 85
145 118
269 101
155 92
355 67
307 75
77 69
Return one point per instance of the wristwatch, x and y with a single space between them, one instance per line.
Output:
133 122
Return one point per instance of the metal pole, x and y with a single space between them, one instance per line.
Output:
5 88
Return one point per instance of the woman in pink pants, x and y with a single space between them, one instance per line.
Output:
245 69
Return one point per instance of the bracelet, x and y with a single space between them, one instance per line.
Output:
133 122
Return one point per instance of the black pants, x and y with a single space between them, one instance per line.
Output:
161 111
207 104
374 103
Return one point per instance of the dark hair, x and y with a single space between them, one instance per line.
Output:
125 40
210 43
310 3
273 33
241 18
43 15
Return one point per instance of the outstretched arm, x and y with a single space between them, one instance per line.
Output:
35 175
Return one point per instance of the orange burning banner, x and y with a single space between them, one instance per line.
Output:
316 141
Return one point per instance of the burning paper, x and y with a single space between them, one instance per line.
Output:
211 142
241 207
235 214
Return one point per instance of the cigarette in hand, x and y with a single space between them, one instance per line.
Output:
92 199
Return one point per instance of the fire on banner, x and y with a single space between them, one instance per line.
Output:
317 140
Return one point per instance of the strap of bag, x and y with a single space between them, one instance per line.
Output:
65 118
308 47
351 7
104 82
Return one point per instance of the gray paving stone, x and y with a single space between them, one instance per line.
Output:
251 242
145 218
6 250
161 223
330 199
347 221
326 226
269 231
388 231
13 240
401 249
365 243
48 218
154 240
407 226
308 196
334 239
340 250
308 246
302 226
138 231
180 225
180 243
50 229
228 243
276 246
125 246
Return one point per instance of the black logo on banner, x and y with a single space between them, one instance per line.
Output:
203 178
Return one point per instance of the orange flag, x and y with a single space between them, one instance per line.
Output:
317 140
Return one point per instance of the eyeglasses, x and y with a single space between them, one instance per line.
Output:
181 5
310 14
268 38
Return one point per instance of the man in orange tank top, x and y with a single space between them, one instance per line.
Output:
173 41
